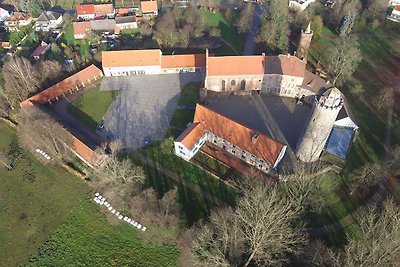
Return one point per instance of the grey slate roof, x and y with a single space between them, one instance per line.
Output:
103 25
47 16
126 19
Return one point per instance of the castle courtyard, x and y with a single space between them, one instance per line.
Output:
144 106
279 117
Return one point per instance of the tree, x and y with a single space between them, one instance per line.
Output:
245 19
343 59
92 37
317 25
166 33
21 79
259 230
38 130
379 244
349 14
50 72
117 177
375 9
275 26
146 29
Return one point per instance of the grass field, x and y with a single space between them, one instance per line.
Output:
87 239
228 32
90 107
34 200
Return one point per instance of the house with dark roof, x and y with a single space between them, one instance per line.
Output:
126 22
40 50
229 137
48 20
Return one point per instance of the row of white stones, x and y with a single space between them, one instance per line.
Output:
99 199
44 154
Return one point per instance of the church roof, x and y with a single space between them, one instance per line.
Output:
285 65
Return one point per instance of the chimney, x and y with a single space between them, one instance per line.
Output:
254 138
288 55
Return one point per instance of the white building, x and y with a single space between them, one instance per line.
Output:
17 20
4 14
300 5
149 62
226 136
48 20
394 3
395 15
126 22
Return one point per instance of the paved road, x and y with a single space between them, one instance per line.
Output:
144 106
250 44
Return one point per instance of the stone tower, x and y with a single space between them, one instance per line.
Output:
305 41
323 116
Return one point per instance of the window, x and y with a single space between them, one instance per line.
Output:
260 166
243 156
180 147
243 85
223 85
215 141
233 151
233 82
183 153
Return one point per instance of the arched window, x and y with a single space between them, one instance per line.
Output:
243 85
223 85
233 82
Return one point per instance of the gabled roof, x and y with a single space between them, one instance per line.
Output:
41 49
103 25
125 19
103 9
183 61
235 65
314 83
148 6
256 143
191 135
86 9
131 58
285 65
81 27
46 16
397 8
64 86
16 16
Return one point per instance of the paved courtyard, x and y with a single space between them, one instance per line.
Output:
144 106
280 118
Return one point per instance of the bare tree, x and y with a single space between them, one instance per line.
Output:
349 13
92 37
245 19
259 231
20 77
379 243
146 29
385 96
117 177
343 59
38 130
50 72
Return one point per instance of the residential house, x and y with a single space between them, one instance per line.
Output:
85 12
104 10
149 62
17 20
225 138
40 50
48 20
6 45
394 3
103 27
395 15
126 22
4 14
80 29
149 8
300 5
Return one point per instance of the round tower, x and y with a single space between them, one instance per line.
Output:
323 116
305 41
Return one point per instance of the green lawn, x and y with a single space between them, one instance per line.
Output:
90 107
88 239
69 35
228 32
189 94
34 200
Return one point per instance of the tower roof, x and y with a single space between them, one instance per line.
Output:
331 98
308 30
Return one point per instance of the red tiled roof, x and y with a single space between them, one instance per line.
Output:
103 9
397 8
125 58
86 9
64 86
285 65
81 27
17 16
236 65
263 147
148 6
180 61
83 150
191 135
